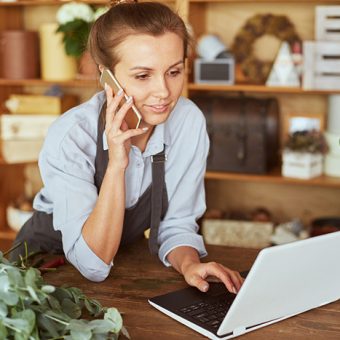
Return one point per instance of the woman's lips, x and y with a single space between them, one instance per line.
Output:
158 108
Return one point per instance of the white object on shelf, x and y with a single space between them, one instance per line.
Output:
301 165
333 116
13 126
333 143
21 151
16 217
327 23
332 165
237 233
283 72
321 62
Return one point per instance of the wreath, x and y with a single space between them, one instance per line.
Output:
279 26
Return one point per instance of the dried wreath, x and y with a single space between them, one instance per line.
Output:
279 26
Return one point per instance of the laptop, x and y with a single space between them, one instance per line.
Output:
284 281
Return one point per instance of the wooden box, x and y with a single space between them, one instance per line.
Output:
321 65
237 233
327 23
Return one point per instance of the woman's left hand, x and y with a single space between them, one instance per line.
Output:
196 274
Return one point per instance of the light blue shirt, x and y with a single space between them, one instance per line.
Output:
67 166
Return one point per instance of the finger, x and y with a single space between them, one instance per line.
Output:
121 113
236 278
199 283
124 136
219 271
112 104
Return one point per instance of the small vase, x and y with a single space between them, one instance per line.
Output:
87 68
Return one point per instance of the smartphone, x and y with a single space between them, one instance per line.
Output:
133 118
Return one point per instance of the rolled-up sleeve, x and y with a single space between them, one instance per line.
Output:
68 177
186 191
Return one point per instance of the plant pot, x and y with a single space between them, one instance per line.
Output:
87 68
301 165
55 64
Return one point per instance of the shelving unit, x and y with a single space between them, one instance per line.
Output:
224 17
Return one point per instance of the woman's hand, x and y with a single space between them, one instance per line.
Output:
198 275
117 132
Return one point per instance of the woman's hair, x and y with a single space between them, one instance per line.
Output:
127 18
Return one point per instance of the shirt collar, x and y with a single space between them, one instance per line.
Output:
159 137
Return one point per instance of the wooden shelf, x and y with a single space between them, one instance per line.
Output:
257 89
274 177
41 82
56 2
7 234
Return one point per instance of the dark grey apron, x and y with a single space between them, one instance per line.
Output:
38 231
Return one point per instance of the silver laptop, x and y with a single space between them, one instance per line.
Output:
284 280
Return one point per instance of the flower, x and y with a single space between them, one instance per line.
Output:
311 141
75 21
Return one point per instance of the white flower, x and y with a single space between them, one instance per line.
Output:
74 10
99 11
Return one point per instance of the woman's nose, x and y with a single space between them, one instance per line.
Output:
161 89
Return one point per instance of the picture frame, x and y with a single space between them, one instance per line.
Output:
304 121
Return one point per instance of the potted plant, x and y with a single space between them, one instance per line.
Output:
74 22
303 154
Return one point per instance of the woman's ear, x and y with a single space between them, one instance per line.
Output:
101 68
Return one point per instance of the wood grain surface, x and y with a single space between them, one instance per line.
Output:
137 276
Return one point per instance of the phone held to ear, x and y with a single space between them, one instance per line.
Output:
133 118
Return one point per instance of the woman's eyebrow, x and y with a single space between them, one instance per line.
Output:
150 69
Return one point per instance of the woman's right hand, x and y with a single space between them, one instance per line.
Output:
118 134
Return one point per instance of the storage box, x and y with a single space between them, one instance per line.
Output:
321 65
332 165
301 165
20 151
40 104
327 23
237 233
25 127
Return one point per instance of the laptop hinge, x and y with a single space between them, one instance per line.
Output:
239 330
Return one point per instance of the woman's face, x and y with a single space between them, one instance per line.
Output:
151 70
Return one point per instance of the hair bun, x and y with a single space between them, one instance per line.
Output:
118 2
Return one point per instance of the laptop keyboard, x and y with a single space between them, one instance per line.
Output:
209 313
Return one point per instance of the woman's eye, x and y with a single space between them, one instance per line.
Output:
174 73
142 76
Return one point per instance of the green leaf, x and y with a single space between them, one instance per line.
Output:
71 309
48 325
3 331
54 303
33 294
80 330
31 277
3 310
29 316
8 297
20 325
114 315
102 326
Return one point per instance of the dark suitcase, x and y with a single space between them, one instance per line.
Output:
243 132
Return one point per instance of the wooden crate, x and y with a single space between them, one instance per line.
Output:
327 23
321 65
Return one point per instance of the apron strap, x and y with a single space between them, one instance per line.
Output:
158 180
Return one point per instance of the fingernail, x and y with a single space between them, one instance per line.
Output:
145 128
120 92
129 100
205 288
234 290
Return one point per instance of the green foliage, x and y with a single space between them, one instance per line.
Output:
75 34
31 309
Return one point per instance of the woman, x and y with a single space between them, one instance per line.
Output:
105 183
